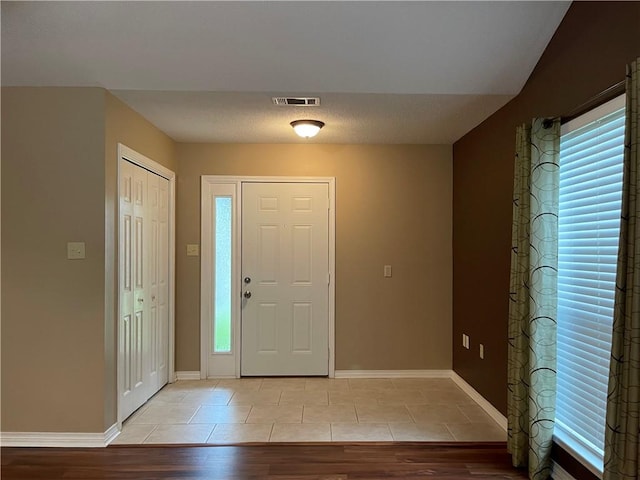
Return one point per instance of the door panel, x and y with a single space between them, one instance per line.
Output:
302 327
285 230
132 201
161 298
144 259
153 264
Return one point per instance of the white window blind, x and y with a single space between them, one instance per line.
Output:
591 151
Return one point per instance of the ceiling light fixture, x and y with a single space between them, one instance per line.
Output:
307 128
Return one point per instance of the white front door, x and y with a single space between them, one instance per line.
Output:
143 285
285 279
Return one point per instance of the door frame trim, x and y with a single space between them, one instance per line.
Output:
128 154
206 244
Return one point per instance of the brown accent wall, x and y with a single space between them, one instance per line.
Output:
587 54
393 207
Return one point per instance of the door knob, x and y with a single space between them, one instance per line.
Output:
141 300
247 280
247 294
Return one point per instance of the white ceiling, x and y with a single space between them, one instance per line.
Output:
386 72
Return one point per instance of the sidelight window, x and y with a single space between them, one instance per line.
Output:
222 276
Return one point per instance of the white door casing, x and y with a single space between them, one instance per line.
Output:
301 313
217 364
145 265
285 254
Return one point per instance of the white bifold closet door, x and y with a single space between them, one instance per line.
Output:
143 285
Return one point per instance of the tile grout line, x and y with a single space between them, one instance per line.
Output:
248 414
155 427
215 425
406 407
450 432
463 414
193 415
210 433
389 429
411 415
393 437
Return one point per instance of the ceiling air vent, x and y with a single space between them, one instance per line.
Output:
297 101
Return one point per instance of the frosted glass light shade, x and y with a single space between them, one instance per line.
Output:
307 128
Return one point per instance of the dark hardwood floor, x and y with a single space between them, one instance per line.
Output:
454 461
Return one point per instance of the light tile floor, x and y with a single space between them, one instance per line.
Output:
309 410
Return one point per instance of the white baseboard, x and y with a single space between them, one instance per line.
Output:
112 432
59 439
393 373
188 375
559 473
492 411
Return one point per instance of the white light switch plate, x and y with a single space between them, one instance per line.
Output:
387 271
75 250
193 250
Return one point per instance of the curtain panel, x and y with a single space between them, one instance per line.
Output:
533 297
621 455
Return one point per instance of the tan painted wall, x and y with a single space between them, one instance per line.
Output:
52 308
394 206
122 125
59 157
125 125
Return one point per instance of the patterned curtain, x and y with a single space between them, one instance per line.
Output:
533 297
621 456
